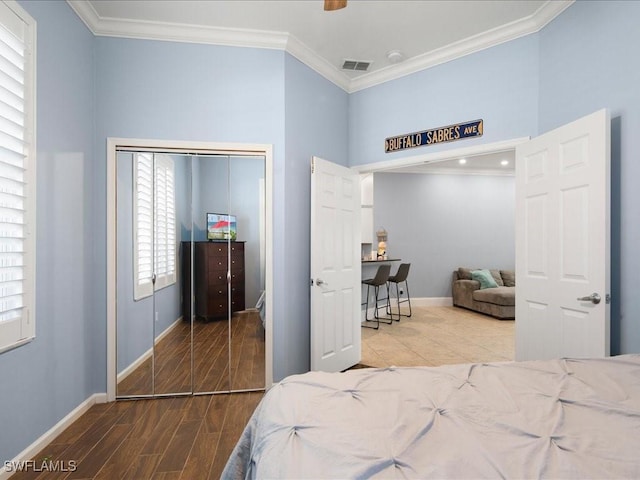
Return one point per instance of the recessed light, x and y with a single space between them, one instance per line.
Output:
462 161
504 163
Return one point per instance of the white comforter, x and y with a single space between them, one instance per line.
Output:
546 419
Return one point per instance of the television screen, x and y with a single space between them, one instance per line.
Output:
221 227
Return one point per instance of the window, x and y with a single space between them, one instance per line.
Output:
17 176
154 215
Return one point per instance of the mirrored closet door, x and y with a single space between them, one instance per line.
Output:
190 273
247 340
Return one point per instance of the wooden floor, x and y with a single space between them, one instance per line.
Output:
211 359
187 438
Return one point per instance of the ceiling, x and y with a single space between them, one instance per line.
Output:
484 164
426 33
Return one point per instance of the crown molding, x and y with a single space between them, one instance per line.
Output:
177 32
112 27
86 12
314 61
505 33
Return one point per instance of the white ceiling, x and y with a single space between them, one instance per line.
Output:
426 32
484 164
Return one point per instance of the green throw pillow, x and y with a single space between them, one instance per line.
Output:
485 278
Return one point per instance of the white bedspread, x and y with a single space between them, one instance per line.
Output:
545 419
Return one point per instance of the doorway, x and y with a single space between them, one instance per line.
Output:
437 301
185 343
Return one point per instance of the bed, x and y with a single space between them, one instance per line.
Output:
564 418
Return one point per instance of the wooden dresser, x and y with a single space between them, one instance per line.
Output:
210 291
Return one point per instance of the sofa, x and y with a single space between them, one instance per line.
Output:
498 301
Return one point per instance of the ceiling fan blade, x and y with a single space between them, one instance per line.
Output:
330 5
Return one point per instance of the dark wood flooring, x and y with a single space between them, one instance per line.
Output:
183 437
187 438
211 359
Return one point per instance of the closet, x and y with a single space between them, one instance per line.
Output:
190 272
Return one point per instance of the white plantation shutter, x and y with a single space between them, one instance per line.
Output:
165 231
143 225
17 174
154 223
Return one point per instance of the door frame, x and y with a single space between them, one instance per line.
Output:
441 156
184 147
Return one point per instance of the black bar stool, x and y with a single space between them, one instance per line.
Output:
400 276
382 275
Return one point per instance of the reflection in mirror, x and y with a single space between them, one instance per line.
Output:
209 276
134 319
173 226
247 202
229 335
190 294
154 209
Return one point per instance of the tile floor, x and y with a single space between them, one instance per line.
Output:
437 336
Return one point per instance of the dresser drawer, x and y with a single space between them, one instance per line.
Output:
217 264
216 307
212 261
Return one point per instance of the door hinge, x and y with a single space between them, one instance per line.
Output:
607 298
313 166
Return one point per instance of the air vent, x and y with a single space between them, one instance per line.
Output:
356 65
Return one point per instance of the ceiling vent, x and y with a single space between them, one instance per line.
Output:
356 65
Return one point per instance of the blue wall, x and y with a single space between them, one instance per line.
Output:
315 124
47 378
441 222
588 61
499 85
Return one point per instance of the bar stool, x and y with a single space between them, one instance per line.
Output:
382 275
400 276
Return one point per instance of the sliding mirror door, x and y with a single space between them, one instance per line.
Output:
134 309
190 273
173 226
209 275
247 266
229 274
153 217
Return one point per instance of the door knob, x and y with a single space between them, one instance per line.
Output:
593 298
319 281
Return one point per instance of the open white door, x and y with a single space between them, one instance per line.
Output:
562 241
335 266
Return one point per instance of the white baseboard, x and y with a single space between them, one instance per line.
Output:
142 358
419 302
432 302
46 438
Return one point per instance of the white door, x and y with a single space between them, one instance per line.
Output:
562 241
335 266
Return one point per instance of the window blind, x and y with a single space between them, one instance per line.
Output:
144 223
13 185
165 231
155 223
